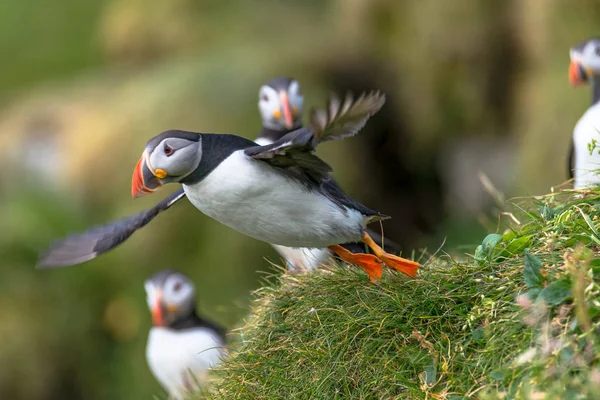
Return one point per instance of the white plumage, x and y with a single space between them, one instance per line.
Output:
180 359
298 258
586 164
254 198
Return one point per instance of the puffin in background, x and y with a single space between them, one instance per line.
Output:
181 346
584 158
280 193
281 107
280 104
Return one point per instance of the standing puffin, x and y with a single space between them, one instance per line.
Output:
181 346
280 103
280 193
584 160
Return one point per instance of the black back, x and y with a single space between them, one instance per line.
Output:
215 148
193 321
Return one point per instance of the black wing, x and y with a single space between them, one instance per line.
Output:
294 152
85 246
293 155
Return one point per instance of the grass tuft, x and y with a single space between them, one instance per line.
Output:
519 318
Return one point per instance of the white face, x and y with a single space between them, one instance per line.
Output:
171 300
177 157
281 110
588 55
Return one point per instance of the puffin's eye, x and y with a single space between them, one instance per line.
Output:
597 50
265 97
177 287
168 150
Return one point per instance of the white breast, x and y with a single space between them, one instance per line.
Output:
255 199
179 360
302 258
586 164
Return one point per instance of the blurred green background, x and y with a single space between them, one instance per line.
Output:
473 87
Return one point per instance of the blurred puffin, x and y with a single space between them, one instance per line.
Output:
280 103
584 160
279 193
181 346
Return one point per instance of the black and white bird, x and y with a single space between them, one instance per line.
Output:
181 346
275 97
584 160
280 193
280 103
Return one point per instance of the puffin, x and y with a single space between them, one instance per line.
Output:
280 103
584 158
280 193
181 345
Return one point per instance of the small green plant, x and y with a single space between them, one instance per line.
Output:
592 146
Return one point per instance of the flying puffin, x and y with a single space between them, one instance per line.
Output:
181 346
279 193
584 159
279 100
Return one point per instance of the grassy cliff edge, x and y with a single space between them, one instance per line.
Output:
516 319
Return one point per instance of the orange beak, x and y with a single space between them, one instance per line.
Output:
577 74
287 112
143 181
157 311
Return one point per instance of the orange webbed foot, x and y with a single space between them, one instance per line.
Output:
397 263
368 262
400 264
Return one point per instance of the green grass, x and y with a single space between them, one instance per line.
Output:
516 319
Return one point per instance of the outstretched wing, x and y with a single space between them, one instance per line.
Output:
293 153
85 246
344 119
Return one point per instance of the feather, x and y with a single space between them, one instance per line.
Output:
85 246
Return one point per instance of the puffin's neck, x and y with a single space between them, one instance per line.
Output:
194 321
595 89
215 148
